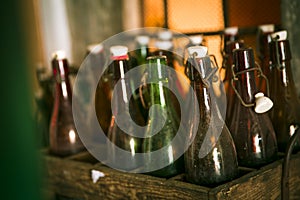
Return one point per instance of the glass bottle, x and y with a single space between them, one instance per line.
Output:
96 61
251 129
194 40
211 158
229 34
227 63
142 50
64 139
161 101
285 114
263 38
165 48
123 105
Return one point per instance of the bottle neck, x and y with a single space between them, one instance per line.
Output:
228 57
159 77
244 72
280 57
143 52
62 82
119 67
246 86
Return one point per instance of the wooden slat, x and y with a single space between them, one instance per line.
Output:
71 177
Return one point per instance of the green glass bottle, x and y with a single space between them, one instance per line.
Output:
162 104
211 157
142 50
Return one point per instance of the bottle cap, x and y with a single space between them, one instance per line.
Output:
59 55
233 30
119 50
267 28
262 103
164 45
196 39
280 35
95 48
200 51
165 35
142 39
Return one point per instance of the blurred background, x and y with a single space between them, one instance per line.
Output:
33 29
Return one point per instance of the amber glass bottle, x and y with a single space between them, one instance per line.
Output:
64 139
263 38
253 133
211 158
285 114
227 64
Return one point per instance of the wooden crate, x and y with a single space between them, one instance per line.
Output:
71 177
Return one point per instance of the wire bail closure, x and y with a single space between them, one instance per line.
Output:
214 70
262 103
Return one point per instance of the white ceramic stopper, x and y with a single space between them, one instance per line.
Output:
59 55
200 51
142 39
164 45
119 50
165 35
233 30
280 35
95 48
196 39
262 103
267 28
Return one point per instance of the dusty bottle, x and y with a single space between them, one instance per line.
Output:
251 127
211 157
125 106
162 104
64 139
285 114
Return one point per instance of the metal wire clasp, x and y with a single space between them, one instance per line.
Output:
213 72
235 78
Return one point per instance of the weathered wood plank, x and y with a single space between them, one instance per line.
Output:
71 176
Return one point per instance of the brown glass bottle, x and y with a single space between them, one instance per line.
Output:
285 114
122 103
253 133
263 37
96 60
218 161
64 139
229 34
227 64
